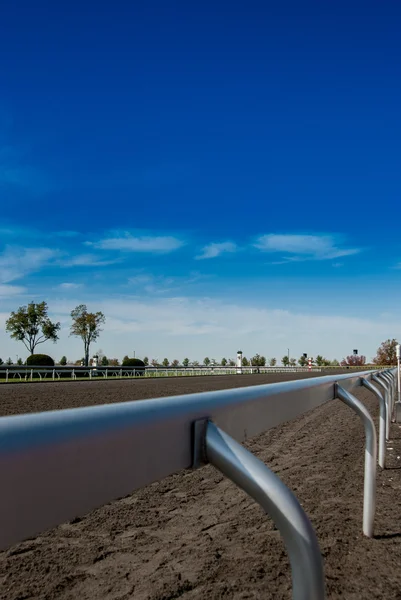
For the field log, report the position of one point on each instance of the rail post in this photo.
(386, 396)
(398, 403)
(369, 488)
(6, 375)
(382, 420)
(387, 378)
(213, 445)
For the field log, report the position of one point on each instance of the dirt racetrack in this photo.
(195, 535)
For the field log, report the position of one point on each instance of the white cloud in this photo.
(87, 260)
(16, 262)
(70, 286)
(129, 243)
(10, 290)
(199, 327)
(304, 247)
(215, 249)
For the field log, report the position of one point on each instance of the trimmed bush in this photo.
(40, 360)
(133, 362)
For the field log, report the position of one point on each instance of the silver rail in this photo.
(382, 420)
(386, 389)
(256, 479)
(75, 460)
(369, 490)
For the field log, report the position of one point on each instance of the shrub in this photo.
(42, 360)
(133, 362)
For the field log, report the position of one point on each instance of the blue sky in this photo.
(210, 175)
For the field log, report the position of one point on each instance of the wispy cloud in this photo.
(70, 286)
(216, 249)
(17, 262)
(304, 247)
(130, 243)
(7, 291)
(87, 260)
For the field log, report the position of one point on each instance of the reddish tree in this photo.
(386, 353)
(353, 361)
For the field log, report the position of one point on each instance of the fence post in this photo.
(382, 420)
(386, 392)
(387, 376)
(6, 375)
(31, 374)
(369, 488)
(260, 483)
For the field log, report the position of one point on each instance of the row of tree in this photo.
(32, 326)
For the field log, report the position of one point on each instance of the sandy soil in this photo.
(195, 535)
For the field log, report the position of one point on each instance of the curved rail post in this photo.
(394, 389)
(384, 385)
(387, 378)
(369, 488)
(382, 420)
(256, 479)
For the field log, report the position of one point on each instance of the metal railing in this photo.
(75, 460)
(59, 372)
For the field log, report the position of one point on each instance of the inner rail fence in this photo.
(58, 373)
(75, 460)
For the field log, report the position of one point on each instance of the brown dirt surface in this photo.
(196, 535)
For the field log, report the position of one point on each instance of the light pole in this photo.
(288, 350)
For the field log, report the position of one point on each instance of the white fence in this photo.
(75, 460)
(24, 373)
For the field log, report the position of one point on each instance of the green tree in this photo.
(273, 362)
(9, 362)
(146, 361)
(293, 362)
(86, 325)
(206, 361)
(303, 361)
(245, 362)
(63, 361)
(320, 360)
(258, 361)
(114, 362)
(386, 353)
(285, 361)
(20, 362)
(335, 363)
(223, 362)
(195, 363)
(105, 361)
(1, 361)
(165, 362)
(31, 325)
(232, 362)
(185, 362)
(126, 357)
